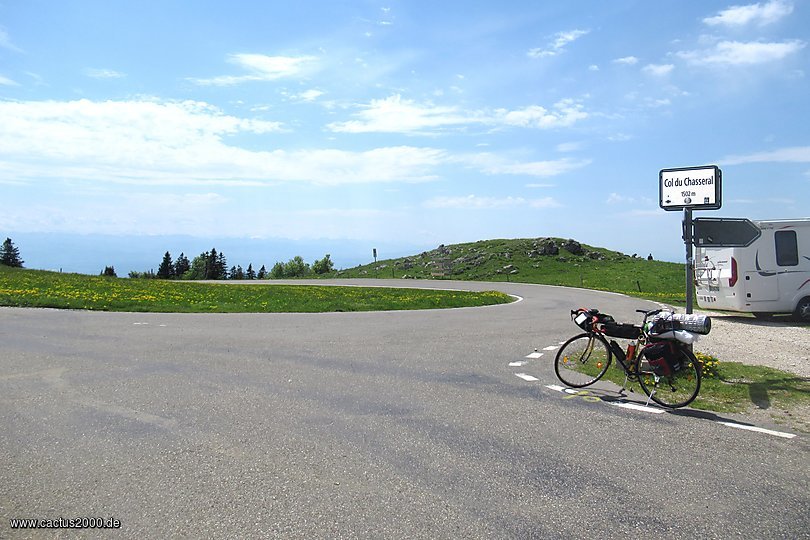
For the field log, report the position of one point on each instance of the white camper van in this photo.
(771, 274)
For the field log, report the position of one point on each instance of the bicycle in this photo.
(658, 356)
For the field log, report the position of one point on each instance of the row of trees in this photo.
(214, 265)
(207, 265)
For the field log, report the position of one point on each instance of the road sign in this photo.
(696, 188)
(725, 232)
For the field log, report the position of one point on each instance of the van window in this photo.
(787, 248)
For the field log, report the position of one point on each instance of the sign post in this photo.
(375, 261)
(690, 257)
(687, 189)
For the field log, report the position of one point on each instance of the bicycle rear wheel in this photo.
(582, 360)
(676, 390)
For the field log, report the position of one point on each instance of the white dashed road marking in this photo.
(637, 407)
(627, 405)
(759, 430)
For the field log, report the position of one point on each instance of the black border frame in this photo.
(718, 189)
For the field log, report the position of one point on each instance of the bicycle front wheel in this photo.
(676, 390)
(582, 360)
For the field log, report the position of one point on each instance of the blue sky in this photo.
(403, 124)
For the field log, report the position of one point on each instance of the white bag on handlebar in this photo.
(679, 335)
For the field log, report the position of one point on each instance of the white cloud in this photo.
(568, 147)
(760, 14)
(103, 73)
(540, 186)
(309, 95)
(736, 53)
(626, 60)
(796, 154)
(5, 81)
(493, 164)
(557, 44)
(566, 112)
(475, 202)
(655, 103)
(178, 143)
(397, 115)
(5, 42)
(261, 68)
(615, 198)
(658, 70)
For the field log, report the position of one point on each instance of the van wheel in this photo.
(763, 315)
(802, 312)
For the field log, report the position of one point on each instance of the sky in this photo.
(400, 125)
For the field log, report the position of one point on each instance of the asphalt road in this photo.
(363, 425)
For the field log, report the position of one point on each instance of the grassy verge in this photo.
(732, 387)
(36, 288)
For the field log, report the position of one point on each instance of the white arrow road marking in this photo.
(535, 354)
(526, 377)
(551, 348)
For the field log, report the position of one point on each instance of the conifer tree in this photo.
(221, 267)
(262, 273)
(166, 268)
(181, 266)
(216, 265)
(250, 273)
(10, 255)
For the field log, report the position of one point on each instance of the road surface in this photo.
(364, 425)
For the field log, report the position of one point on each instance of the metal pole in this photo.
(690, 261)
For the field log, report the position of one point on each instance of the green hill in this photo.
(550, 261)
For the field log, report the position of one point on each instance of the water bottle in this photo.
(631, 350)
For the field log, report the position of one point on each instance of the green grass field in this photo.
(36, 288)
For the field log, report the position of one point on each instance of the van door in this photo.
(762, 283)
(787, 259)
(761, 286)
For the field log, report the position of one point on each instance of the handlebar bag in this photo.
(622, 330)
